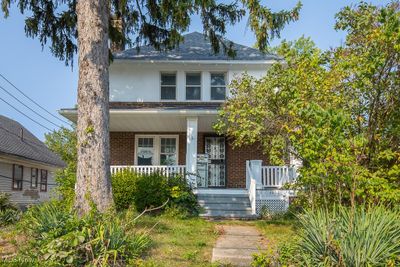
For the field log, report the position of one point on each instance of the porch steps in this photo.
(232, 205)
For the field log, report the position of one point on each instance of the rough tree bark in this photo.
(93, 184)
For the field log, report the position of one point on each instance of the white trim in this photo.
(184, 112)
(157, 146)
(212, 62)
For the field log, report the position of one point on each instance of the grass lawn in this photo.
(178, 242)
(175, 241)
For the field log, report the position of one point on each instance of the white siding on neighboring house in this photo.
(132, 81)
(27, 195)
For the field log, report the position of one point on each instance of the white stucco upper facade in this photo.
(135, 81)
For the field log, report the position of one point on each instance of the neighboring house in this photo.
(162, 109)
(27, 166)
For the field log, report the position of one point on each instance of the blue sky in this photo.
(52, 84)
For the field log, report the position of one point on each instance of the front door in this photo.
(215, 148)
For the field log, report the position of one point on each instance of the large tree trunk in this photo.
(93, 184)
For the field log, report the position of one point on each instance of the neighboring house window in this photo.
(168, 86)
(43, 180)
(218, 86)
(18, 174)
(157, 150)
(34, 177)
(193, 86)
(168, 151)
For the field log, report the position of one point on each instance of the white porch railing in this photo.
(165, 170)
(277, 176)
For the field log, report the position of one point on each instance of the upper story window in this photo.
(168, 86)
(218, 86)
(193, 86)
(18, 174)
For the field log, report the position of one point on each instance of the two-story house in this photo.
(162, 109)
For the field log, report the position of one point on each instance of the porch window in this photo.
(145, 151)
(193, 86)
(18, 174)
(157, 150)
(168, 151)
(218, 86)
(43, 180)
(34, 178)
(168, 86)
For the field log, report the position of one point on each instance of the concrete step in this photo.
(227, 213)
(224, 201)
(226, 206)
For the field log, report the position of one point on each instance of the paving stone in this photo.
(237, 244)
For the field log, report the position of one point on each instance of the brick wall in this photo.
(236, 163)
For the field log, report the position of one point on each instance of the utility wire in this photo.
(1, 75)
(25, 115)
(10, 178)
(5, 90)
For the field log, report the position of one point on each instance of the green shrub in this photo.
(124, 188)
(342, 237)
(153, 190)
(9, 212)
(94, 240)
(182, 196)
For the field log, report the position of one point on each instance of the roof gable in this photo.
(194, 47)
(16, 140)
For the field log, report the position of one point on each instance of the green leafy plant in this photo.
(347, 237)
(153, 190)
(9, 212)
(124, 188)
(60, 238)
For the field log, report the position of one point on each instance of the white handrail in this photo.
(163, 169)
(277, 176)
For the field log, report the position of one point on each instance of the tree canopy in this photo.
(156, 23)
(338, 111)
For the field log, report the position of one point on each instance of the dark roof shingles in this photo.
(194, 47)
(27, 147)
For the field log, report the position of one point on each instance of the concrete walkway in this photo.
(237, 244)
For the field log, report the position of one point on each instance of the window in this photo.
(218, 87)
(168, 151)
(43, 180)
(18, 174)
(157, 150)
(145, 151)
(34, 177)
(168, 86)
(193, 86)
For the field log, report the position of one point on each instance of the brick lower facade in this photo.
(122, 152)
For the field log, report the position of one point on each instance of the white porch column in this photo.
(191, 149)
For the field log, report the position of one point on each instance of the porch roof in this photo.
(159, 119)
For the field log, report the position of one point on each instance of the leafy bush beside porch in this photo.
(143, 191)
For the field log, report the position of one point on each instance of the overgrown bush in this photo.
(341, 237)
(60, 238)
(153, 190)
(124, 188)
(9, 212)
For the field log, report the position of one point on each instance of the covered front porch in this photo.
(182, 141)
